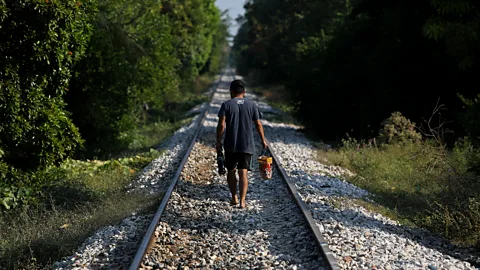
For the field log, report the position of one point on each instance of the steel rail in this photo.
(322, 244)
(149, 236)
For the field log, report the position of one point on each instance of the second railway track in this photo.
(198, 228)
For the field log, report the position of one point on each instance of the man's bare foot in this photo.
(243, 204)
(234, 200)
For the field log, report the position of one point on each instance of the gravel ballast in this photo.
(201, 230)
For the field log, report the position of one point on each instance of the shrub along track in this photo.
(197, 227)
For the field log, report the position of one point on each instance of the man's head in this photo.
(237, 89)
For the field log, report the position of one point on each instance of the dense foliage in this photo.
(363, 59)
(141, 54)
(350, 64)
(84, 72)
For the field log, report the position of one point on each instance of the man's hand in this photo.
(265, 145)
(220, 131)
(259, 127)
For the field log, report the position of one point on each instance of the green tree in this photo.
(40, 41)
(219, 46)
(130, 61)
(368, 58)
(194, 24)
(457, 24)
(141, 54)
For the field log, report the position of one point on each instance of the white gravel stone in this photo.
(156, 176)
(111, 247)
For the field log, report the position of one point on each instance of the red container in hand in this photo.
(265, 164)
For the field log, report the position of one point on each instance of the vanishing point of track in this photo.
(149, 237)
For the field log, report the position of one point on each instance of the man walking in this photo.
(236, 118)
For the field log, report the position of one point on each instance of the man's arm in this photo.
(259, 127)
(220, 130)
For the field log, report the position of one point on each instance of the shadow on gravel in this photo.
(288, 245)
(282, 129)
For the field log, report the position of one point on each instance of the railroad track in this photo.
(196, 227)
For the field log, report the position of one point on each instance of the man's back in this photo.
(240, 114)
(236, 119)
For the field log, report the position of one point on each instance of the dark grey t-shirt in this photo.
(240, 114)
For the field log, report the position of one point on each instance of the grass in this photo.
(151, 134)
(85, 195)
(34, 238)
(385, 211)
(82, 197)
(418, 184)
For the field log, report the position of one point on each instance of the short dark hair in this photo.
(237, 86)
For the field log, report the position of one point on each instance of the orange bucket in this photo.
(265, 166)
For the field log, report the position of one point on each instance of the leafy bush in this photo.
(40, 42)
(470, 120)
(422, 182)
(13, 195)
(398, 129)
(460, 221)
